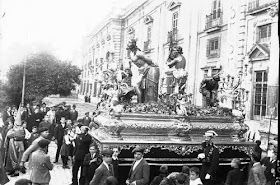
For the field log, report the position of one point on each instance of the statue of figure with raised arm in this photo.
(146, 81)
(177, 62)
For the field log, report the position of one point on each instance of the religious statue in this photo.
(209, 88)
(146, 83)
(177, 60)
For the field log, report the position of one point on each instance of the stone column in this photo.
(273, 73)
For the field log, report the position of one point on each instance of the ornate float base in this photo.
(171, 140)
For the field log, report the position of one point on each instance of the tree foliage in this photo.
(45, 75)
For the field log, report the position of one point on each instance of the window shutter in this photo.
(257, 34)
(269, 31)
(208, 48)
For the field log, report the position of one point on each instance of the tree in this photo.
(45, 75)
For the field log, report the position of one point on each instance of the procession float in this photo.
(168, 125)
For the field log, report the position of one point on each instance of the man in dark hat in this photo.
(86, 119)
(58, 135)
(105, 169)
(73, 113)
(40, 174)
(209, 158)
(44, 133)
(139, 173)
(208, 89)
(83, 141)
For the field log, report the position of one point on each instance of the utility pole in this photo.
(23, 81)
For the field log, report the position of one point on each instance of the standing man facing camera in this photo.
(139, 173)
(104, 170)
(210, 159)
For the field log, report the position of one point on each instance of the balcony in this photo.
(256, 6)
(213, 22)
(147, 46)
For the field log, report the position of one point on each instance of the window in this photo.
(260, 95)
(174, 21)
(216, 9)
(213, 47)
(147, 43)
(264, 33)
(149, 33)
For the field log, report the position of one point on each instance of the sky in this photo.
(56, 26)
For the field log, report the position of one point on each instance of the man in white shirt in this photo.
(139, 173)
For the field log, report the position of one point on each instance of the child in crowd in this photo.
(34, 135)
(235, 176)
(72, 136)
(163, 172)
(194, 176)
(65, 148)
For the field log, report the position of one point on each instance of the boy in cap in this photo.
(235, 176)
(140, 170)
(41, 164)
(105, 169)
(209, 158)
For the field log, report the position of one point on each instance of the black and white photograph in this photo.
(139, 92)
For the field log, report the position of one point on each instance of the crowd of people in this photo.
(27, 132)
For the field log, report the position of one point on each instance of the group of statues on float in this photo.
(120, 86)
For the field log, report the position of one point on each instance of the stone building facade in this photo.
(233, 38)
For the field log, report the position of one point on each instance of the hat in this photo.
(23, 181)
(216, 77)
(138, 149)
(107, 152)
(86, 113)
(85, 127)
(210, 133)
(42, 129)
(111, 180)
(43, 143)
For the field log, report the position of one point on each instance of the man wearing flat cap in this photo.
(44, 133)
(41, 164)
(104, 170)
(139, 173)
(209, 158)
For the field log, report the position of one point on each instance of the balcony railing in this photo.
(259, 5)
(213, 20)
(147, 45)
